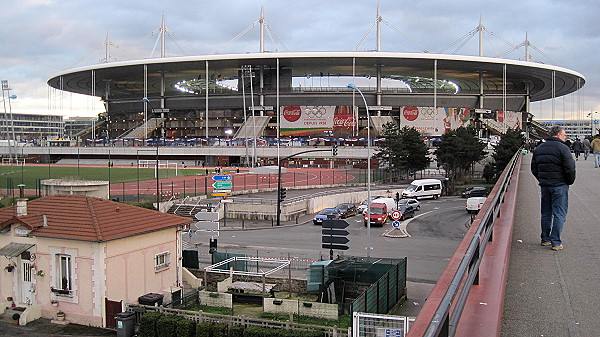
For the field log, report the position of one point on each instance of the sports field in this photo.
(29, 175)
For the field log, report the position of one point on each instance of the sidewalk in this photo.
(43, 328)
(552, 293)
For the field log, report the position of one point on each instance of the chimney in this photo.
(22, 201)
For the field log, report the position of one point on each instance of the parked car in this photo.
(327, 214)
(474, 204)
(416, 204)
(347, 210)
(407, 211)
(476, 191)
(378, 214)
(362, 208)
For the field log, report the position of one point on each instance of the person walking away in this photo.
(577, 148)
(595, 148)
(553, 166)
(586, 147)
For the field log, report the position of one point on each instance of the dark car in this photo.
(407, 211)
(347, 210)
(476, 191)
(327, 214)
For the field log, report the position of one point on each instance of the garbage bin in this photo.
(125, 324)
(151, 299)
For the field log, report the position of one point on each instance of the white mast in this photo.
(378, 20)
(480, 29)
(261, 21)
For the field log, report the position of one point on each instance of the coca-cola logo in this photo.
(292, 113)
(344, 122)
(500, 116)
(410, 113)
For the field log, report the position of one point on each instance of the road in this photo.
(435, 232)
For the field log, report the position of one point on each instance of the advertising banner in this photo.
(434, 121)
(299, 120)
(512, 119)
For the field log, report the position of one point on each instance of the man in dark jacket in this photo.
(554, 168)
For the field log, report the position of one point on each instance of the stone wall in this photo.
(298, 285)
(312, 309)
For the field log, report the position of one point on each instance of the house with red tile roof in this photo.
(86, 256)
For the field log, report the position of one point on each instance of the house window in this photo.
(64, 279)
(162, 260)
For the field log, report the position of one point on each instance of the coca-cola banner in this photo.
(434, 121)
(299, 120)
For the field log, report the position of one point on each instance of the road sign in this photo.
(207, 225)
(396, 215)
(333, 246)
(222, 177)
(222, 184)
(221, 193)
(207, 216)
(341, 224)
(334, 239)
(338, 232)
(396, 224)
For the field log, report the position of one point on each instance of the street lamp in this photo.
(145, 99)
(591, 115)
(354, 87)
(9, 97)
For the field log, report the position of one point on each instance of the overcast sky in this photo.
(43, 37)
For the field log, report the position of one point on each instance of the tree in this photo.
(403, 149)
(510, 142)
(457, 151)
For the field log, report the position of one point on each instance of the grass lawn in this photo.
(29, 175)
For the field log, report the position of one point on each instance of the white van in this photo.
(423, 188)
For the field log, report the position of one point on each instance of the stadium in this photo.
(303, 98)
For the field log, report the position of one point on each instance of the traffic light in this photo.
(212, 245)
(335, 150)
(397, 196)
(282, 193)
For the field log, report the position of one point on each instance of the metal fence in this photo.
(384, 294)
(377, 325)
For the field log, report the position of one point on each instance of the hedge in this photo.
(148, 324)
(166, 326)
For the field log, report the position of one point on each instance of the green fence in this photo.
(384, 294)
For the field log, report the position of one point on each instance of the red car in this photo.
(379, 214)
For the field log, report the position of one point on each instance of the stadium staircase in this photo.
(87, 133)
(538, 130)
(140, 130)
(496, 128)
(379, 121)
(188, 207)
(246, 130)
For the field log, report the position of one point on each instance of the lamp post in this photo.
(354, 87)
(4, 99)
(591, 115)
(145, 99)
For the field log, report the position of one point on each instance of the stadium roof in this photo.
(126, 79)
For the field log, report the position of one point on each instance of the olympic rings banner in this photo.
(434, 121)
(299, 120)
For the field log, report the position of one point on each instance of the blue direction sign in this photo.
(222, 177)
(396, 224)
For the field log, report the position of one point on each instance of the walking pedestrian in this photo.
(586, 147)
(554, 168)
(595, 147)
(577, 148)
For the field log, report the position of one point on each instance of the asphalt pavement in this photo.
(555, 293)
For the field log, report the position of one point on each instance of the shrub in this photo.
(148, 324)
(204, 329)
(166, 326)
(220, 330)
(257, 331)
(236, 331)
(185, 328)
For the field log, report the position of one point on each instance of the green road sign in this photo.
(222, 184)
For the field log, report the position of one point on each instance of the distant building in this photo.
(74, 125)
(30, 126)
(576, 128)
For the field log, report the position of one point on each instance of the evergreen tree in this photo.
(509, 144)
(457, 151)
(403, 149)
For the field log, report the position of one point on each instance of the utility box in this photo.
(151, 299)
